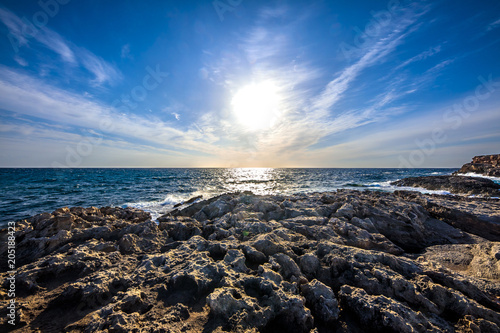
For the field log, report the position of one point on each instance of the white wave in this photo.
(380, 184)
(420, 189)
(480, 196)
(471, 174)
(159, 207)
(386, 186)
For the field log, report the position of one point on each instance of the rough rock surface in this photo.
(454, 184)
(488, 165)
(344, 261)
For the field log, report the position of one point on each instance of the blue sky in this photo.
(239, 83)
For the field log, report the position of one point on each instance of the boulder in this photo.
(488, 165)
(455, 184)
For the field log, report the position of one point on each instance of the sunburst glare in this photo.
(257, 105)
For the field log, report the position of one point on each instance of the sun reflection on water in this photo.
(257, 180)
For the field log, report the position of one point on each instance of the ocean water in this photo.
(26, 192)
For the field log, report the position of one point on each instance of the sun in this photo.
(257, 105)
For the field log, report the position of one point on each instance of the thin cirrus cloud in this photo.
(327, 99)
(371, 54)
(493, 25)
(421, 56)
(102, 70)
(383, 146)
(26, 95)
(21, 35)
(311, 115)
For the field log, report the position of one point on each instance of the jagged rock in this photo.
(287, 267)
(309, 264)
(322, 301)
(236, 259)
(346, 210)
(454, 184)
(268, 273)
(402, 262)
(128, 243)
(253, 255)
(385, 314)
(488, 165)
(241, 310)
(477, 260)
(180, 229)
(190, 201)
(270, 244)
(474, 215)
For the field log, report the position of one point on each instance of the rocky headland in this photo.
(345, 261)
(488, 165)
(455, 184)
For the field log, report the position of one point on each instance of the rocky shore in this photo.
(457, 183)
(454, 184)
(488, 165)
(345, 261)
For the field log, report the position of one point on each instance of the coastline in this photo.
(27, 192)
(341, 261)
(331, 261)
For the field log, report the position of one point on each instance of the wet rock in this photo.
(190, 201)
(454, 184)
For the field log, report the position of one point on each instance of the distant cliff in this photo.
(488, 165)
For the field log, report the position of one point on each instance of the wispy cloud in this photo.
(309, 115)
(53, 41)
(493, 25)
(262, 44)
(421, 56)
(26, 95)
(383, 148)
(322, 112)
(15, 26)
(20, 61)
(371, 54)
(103, 71)
(21, 32)
(439, 66)
(125, 52)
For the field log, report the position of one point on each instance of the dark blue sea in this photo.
(26, 192)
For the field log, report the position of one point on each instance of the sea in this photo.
(25, 192)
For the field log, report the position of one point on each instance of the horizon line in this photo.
(155, 167)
